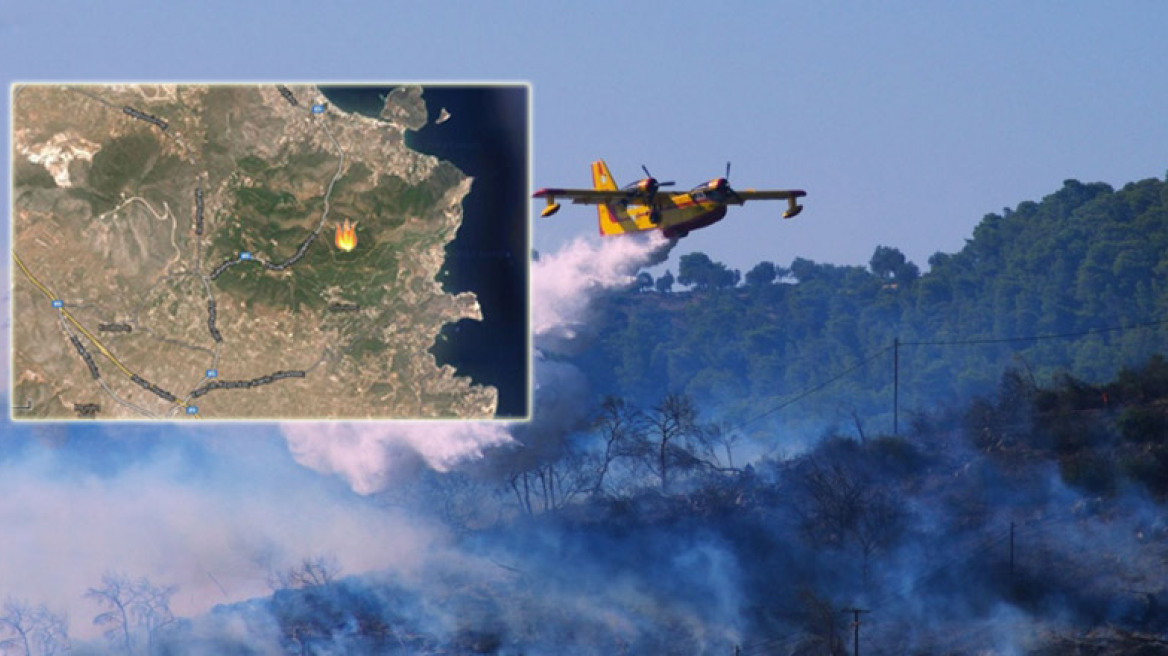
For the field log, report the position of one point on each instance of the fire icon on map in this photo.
(347, 236)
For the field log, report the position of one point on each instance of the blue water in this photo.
(486, 138)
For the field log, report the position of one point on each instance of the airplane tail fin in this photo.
(610, 215)
(601, 178)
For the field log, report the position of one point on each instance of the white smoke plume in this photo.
(209, 512)
(565, 282)
(369, 455)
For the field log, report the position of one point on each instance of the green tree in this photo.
(763, 273)
(698, 270)
(907, 274)
(889, 263)
(665, 282)
(804, 269)
(885, 261)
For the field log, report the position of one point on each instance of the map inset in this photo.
(231, 252)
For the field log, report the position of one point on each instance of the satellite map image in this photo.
(236, 252)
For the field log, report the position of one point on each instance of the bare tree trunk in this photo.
(663, 464)
(552, 485)
(24, 641)
(859, 425)
(125, 628)
(527, 494)
(522, 497)
(518, 494)
(599, 485)
(543, 487)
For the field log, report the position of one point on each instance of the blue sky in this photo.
(905, 122)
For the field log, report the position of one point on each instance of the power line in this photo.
(956, 342)
(896, 344)
(772, 644)
(811, 390)
(1036, 338)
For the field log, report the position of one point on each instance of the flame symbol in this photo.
(347, 236)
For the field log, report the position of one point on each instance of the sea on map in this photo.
(231, 252)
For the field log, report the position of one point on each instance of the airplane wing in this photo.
(584, 196)
(775, 194)
(736, 197)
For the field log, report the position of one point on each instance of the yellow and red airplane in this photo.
(641, 206)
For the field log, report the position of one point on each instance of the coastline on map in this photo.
(489, 143)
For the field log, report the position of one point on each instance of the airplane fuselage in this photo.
(677, 215)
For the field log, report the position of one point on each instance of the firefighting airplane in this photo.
(640, 206)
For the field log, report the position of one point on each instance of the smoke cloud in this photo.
(214, 512)
(211, 512)
(564, 284)
(369, 456)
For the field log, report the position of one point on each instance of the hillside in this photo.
(1028, 522)
(1040, 286)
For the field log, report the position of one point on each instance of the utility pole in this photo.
(1011, 552)
(896, 385)
(856, 627)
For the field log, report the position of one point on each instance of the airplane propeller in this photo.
(654, 180)
(650, 185)
(724, 185)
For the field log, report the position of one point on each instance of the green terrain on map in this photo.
(191, 236)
